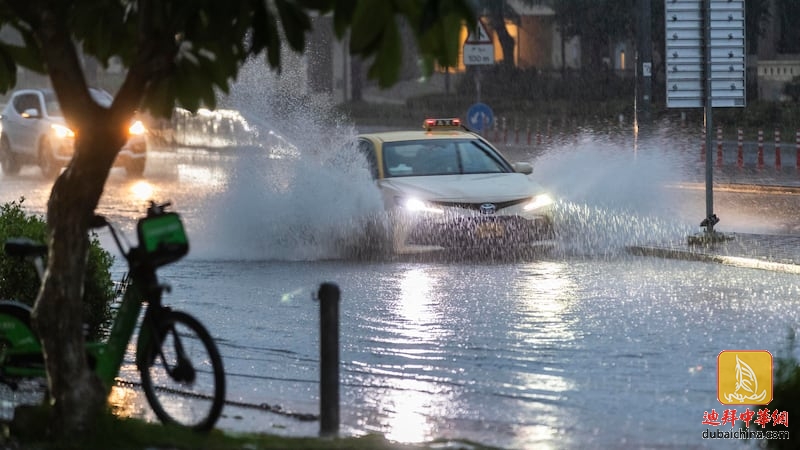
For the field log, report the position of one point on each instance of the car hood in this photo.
(483, 187)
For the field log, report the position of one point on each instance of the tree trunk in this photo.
(497, 22)
(78, 396)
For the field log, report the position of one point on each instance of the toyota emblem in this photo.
(488, 208)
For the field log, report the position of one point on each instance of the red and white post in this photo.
(719, 146)
(529, 133)
(777, 148)
(739, 148)
(797, 144)
(760, 163)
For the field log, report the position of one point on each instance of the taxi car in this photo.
(445, 187)
(34, 132)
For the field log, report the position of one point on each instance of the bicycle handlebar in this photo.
(156, 209)
(98, 221)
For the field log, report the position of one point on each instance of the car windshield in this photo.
(440, 157)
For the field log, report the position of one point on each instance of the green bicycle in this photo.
(181, 369)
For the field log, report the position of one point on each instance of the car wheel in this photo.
(135, 167)
(47, 163)
(8, 161)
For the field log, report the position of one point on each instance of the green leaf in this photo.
(343, 11)
(159, 97)
(272, 40)
(28, 55)
(370, 19)
(8, 70)
(261, 20)
(388, 59)
(296, 23)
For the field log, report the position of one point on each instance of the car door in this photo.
(23, 127)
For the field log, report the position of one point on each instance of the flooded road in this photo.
(586, 347)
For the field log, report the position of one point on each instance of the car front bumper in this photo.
(415, 234)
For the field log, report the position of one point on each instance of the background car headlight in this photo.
(417, 205)
(61, 131)
(137, 128)
(539, 201)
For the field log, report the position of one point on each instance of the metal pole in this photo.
(644, 63)
(708, 118)
(329, 359)
(477, 84)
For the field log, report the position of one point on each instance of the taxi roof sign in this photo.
(430, 124)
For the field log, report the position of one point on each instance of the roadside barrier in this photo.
(500, 133)
(742, 150)
(797, 150)
(748, 153)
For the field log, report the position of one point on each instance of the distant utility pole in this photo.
(644, 63)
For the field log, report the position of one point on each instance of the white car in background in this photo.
(445, 188)
(34, 132)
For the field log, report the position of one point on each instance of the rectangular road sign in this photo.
(478, 48)
(478, 54)
(685, 53)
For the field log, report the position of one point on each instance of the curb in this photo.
(691, 255)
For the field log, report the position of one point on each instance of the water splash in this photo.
(309, 200)
(304, 200)
(612, 192)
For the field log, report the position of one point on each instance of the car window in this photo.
(439, 157)
(475, 159)
(25, 102)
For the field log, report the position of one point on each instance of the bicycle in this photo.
(172, 346)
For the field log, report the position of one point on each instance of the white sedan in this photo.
(445, 187)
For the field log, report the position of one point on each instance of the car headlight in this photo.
(61, 132)
(137, 128)
(417, 205)
(537, 202)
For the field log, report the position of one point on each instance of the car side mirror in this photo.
(523, 167)
(31, 113)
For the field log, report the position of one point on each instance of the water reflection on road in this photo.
(588, 347)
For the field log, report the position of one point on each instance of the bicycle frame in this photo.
(109, 355)
(144, 287)
(24, 359)
(161, 355)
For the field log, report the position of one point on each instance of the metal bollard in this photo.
(329, 359)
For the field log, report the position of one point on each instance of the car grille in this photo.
(477, 206)
(480, 231)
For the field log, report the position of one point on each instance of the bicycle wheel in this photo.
(182, 374)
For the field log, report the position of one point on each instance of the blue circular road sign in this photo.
(479, 117)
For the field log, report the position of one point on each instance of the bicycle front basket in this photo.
(162, 238)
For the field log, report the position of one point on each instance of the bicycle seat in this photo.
(24, 247)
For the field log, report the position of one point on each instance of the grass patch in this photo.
(27, 431)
